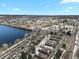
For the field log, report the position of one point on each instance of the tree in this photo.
(77, 53)
(23, 55)
(29, 56)
(63, 46)
(69, 33)
(33, 49)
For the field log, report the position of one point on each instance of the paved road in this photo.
(70, 41)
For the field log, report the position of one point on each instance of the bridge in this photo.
(14, 52)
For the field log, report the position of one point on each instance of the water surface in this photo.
(10, 34)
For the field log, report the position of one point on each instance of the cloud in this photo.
(34, 13)
(3, 5)
(69, 1)
(16, 9)
(68, 9)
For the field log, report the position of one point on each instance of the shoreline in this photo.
(16, 27)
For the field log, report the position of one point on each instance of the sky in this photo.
(40, 7)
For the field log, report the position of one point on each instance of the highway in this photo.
(69, 41)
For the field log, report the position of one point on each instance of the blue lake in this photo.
(10, 34)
